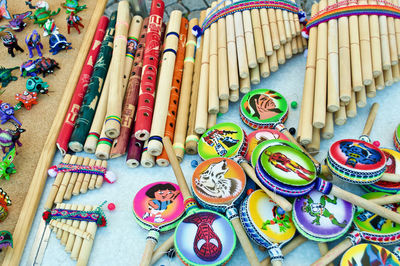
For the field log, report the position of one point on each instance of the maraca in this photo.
(228, 140)
(396, 138)
(267, 224)
(219, 184)
(157, 207)
(202, 236)
(369, 254)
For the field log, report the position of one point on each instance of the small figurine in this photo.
(36, 84)
(3, 10)
(57, 43)
(46, 65)
(6, 77)
(17, 24)
(34, 43)
(6, 239)
(72, 6)
(6, 169)
(11, 42)
(4, 202)
(50, 28)
(74, 21)
(7, 113)
(42, 13)
(28, 69)
(27, 99)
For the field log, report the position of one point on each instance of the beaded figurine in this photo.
(17, 24)
(33, 42)
(57, 43)
(9, 137)
(4, 202)
(42, 13)
(7, 113)
(50, 28)
(74, 21)
(7, 168)
(6, 76)
(11, 42)
(3, 10)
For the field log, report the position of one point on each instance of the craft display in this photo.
(396, 138)
(369, 253)
(11, 43)
(157, 207)
(16, 23)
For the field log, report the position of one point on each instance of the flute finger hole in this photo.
(150, 68)
(150, 78)
(147, 101)
(171, 124)
(146, 114)
(148, 89)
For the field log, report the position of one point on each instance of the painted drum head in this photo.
(159, 205)
(258, 136)
(393, 167)
(265, 144)
(396, 138)
(223, 140)
(218, 182)
(374, 228)
(356, 161)
(322, 217)
(369, 254)
(264, 221)
(263, 108)
(204, 237)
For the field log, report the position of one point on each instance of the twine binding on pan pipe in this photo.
(83, 169)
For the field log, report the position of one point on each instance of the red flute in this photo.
(80, 90)
(134, 152)
(149, 73)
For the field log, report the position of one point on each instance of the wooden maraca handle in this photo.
(289, 247)
(387, 199)
(323, 249)
(162, 249)
(276, 263)
(333, 253)
(278, 199)
(390, 177)
(245, 242)
(148, 252)
(371, 119)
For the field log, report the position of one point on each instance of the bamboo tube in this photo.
(394, 59)
(64, 227)
(87, 245)
(361, 98)
(104, 145)
(65, 181)
(385, 49)
(234, 96)
(351, 108)
(304, 41)
(344, 60)
(376, 52)
(212, 120)
(323, 249)
(327, 132)
(79, 180)
(266, 31)
(213, 75)
(397, 30)
(333, 102)
(365, 47)
(71, 237)
(93, 178)
(286, 23)
(396, 73)
(264, 68)
(147, 159)
(72, 181)
(223, 80)
(76, 247)
(245, 85)
(65, 234)
(202, 99)
(297, 22)
(57, 182)
(313, 147)
(280, 54)
(249, 38)
(59, 230)
(356, 73)
(223, 107)
(380, 82)
(294, 46)
(258, 37)
(320, 73)
(292, 245)
(288, 50)
(86, 179)
(291, 24)
(274, 28)
(371, 89)
(116, 92)
(100, 178)
(273, 62)
(340, 116)
(281, 26)
(240, 43)
(388, 77)
(231, 50)
(300, 43)
(255, 75)
(387, 199)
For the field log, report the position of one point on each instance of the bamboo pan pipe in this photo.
(100, 178)
(394, 60)
(186, 88)
(240, 44)
(65, 234)
(286, 23)
(294, 46)
(274, 28)
(258, 35)
(223, 106)
(223, 79)
(288, 50)
(59, 231)
(114, 105)
(249, 38)
(388, 77)
(397, 29)
(245, 85)
(87, 245)
(86, 179)
(327, 132)
(376, 52)
(351, 108)
(356, 73)
(267, 35)
(296, 22)
(396, 73)
(383, 31)
(365, 47)
(212, 120)
(344, 60)
(71, 237)
(300, 43)
(321, 73)
(76, 247)
(79, 180)
(213, 74)
(306, 113)
(64, 183)
(361, 98)
(233, 74)
(93, 178)
(281, 26)
(333, 99)
(74, 178)
(291, 24)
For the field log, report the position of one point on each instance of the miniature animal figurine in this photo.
(46, 66)
(57, 43)
(4, 203)
(11, 42)
(72, 6)
(74, 21)
(10, 137)
(42, 13)
(17, 23)
(29, 69)
(26, 99)
(50, 28)
(33, 42)
(36, 84)
(6, 169)
(7, 113)
(3, 10)
(6, 77)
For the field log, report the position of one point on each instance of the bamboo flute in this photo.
(103, 147)
(276, 44)
(213, 73)
(333, 99)
(147, 160)
(234, 96)
(321, 73)
(307, 103)
(240, 43)
(327, 132)
(356, 73)
(351, 107)
(79, 180)
(72, 181)
(385, 49)
(134, 152)
(233, 74)
(344, 60)
(223, 79)
(267, 35)
(376, 52)
(183, 108)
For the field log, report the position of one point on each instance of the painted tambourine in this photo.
(393, 167)
(321, 217)
(396, 138)
(258, 136)
(263, 145)
(263, 108)
(369, 254)
(356, 161)
(266, 223)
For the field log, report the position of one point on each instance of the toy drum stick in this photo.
(65, 234)
(264, 68)
(79, 180)
(86, 179)
(72, 181)
(245, 85)
(344, 60)
(321, 73)
(213, 75)
(255, 75)
(288, 50)
(340, 116)
(134, 152)
(286, 23)
(281, 26)
(333, 103)
(202, 99)
(388, 77)
(212, 119)
(76, 248)
(323, 249)
(233, 74)
(314, 146)
(87, 244)
(112, 121)
(183, 108)
(103, 147)
(64, 183)
(380, 82)
(240, 43)
(294, 46)
(71, 237)
(375, 43)
(223, 79)
(365, 47)
(334, 253)
(273, 62)
(356, 73)
(266, 31)
(385, 49)
(57, 182)
(249, 38)
(274, 28)
(371, 89)
(307, 103)
(327, 132)
(361, 98)
(234, 96)
(93, 178)
(280, 53)
(258, 35)
(396, 73)
(147, 159)
(351, 108)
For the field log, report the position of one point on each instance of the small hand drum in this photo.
(369, 254)
(265, 144)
